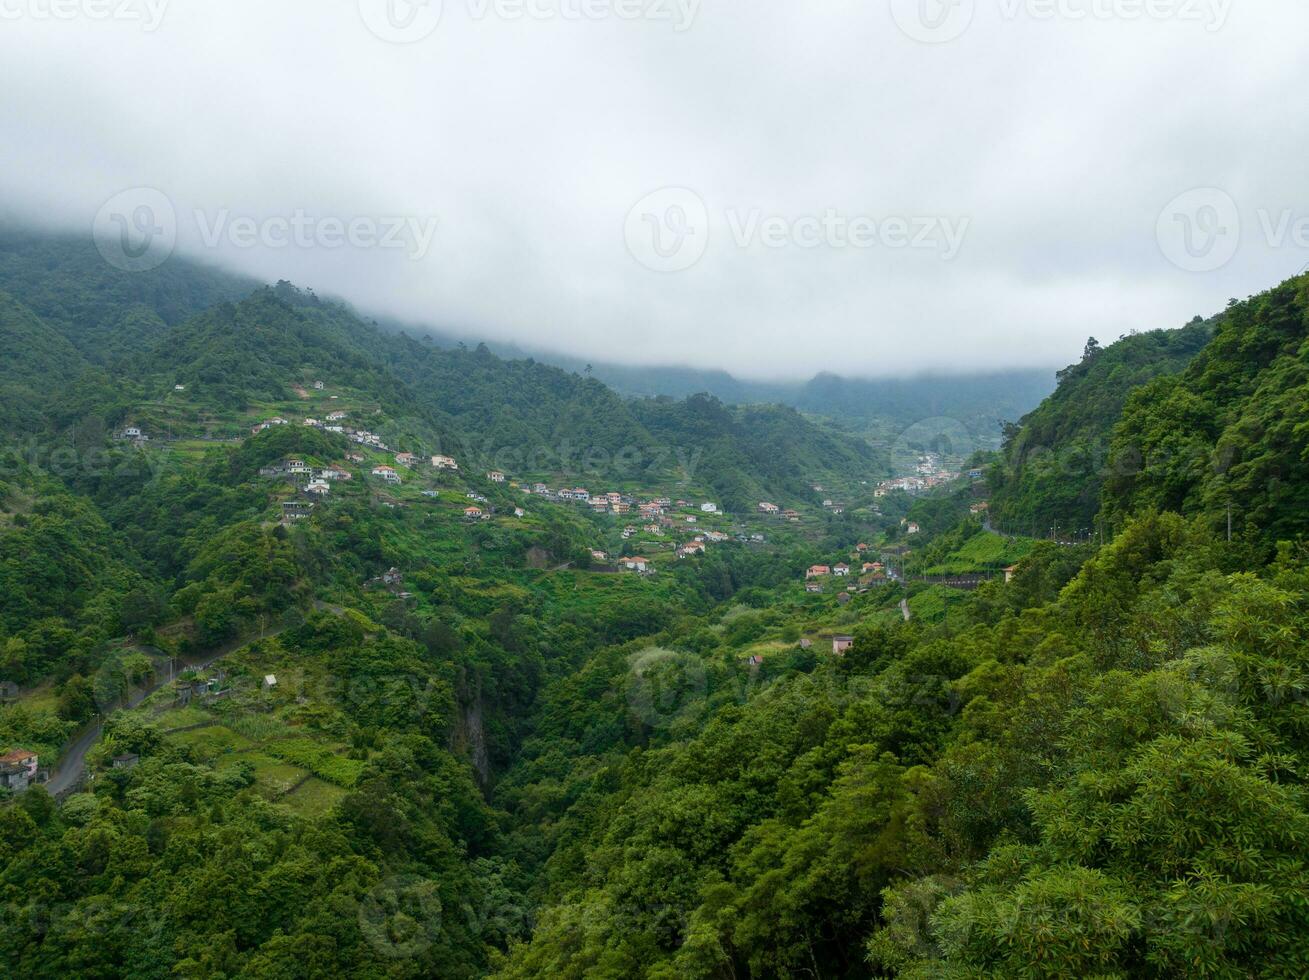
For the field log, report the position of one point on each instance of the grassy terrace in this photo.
(290, 740)
(984, 552)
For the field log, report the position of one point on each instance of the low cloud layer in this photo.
(869, 188)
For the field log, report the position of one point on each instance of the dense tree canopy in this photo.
(392, 740)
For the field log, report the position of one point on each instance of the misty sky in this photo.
(772, 188)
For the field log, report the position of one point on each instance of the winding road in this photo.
(72, 763)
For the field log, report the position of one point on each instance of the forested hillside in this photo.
(1054, 460)
(325, 708)
(1098, 783)
(882, 406)
(1091, 770)
(1229, 434)
(750, 453)
(102, 312)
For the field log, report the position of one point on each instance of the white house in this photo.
(386, 473)
(132, 432)
(319, 488)
(767, 508)
(256, 429)
(636, 564)
(709, 508)
(495, 476)
(444, 463)
(18, 769)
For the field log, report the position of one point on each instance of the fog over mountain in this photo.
(727, 185)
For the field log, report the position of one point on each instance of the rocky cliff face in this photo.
(469, 735)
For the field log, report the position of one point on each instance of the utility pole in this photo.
(1229, 522)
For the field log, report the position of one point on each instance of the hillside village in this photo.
(677, 527)
(641, 532)
(672, 528)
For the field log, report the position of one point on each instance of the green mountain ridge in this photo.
(252, 346)
(104, 313)
(1228, 436)
(884, 407)
(384, 737)
(1054, 460)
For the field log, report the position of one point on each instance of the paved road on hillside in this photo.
(73, 763)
